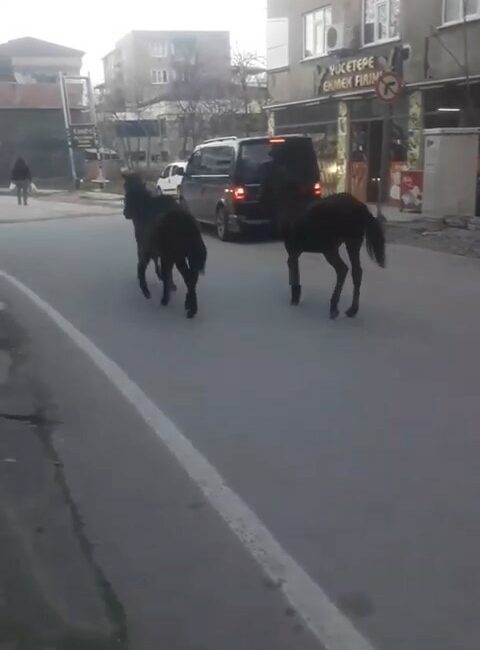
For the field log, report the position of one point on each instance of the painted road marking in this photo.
(325, 620)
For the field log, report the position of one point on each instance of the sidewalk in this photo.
(394, 215)
(46, 209)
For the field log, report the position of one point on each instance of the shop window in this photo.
(315, 28)
(453, 10)
(381, 20)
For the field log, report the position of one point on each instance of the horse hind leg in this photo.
(353, 249)
(294, 276)
(142, 276)
(341, 269)
(191, 279)
(166, 268)
(158, 271)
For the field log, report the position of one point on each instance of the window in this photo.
(298, 159)
(159, 49)
(160, 76)
(315, 28)
(453, 10)
(381, 20)
(216, 161)
(166, 171)
(195, 164)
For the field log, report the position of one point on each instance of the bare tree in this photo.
(249, 79)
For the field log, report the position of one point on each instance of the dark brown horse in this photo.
(322, 227)
(167, 232)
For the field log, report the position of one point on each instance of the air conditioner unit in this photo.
(336, 37)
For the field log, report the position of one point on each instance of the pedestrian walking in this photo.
(22, 179)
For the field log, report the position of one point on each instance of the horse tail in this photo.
(197, 257)
(375, 238)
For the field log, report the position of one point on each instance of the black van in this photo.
(223, 179)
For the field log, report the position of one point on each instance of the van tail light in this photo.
(317, 189)
(239, 193)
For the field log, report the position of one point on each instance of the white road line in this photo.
(328, 624)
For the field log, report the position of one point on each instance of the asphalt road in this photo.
(354, 442)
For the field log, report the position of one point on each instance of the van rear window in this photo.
(297, 156)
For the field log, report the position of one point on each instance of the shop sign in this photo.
(350, 75)
(83, 136)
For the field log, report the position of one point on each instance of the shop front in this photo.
(345, 120)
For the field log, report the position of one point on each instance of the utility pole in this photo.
(385, 157)
(67, 119)
(98, 143)
(468, 88)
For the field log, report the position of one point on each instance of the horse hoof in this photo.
(334, 313)
(191, 313)
(164, 302)
(296, 296)
(146, 295)
(352, 312)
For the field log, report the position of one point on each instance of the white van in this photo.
(169, 182)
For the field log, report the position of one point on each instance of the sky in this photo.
(95, 25)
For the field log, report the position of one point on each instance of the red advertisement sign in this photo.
(411, 191)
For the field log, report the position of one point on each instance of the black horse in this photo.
(165, 231)
(322, 227)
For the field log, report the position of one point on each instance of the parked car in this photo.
(223, 179)
(169, 182)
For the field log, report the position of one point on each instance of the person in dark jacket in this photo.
(22, 178)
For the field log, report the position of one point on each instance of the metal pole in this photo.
(98, 143)
(66, 116)
(469, 111)
(385, 159)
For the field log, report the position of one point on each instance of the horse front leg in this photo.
(294, 277)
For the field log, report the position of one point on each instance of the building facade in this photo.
(166, 91)
(154, 83)
(31, 60)
(324, 61)
(31, 114)
(146, 65)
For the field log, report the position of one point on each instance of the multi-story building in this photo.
(154, 81)
(146, 65)
(326, 56)
(169, 90)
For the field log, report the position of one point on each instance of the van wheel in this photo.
(221, 223)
